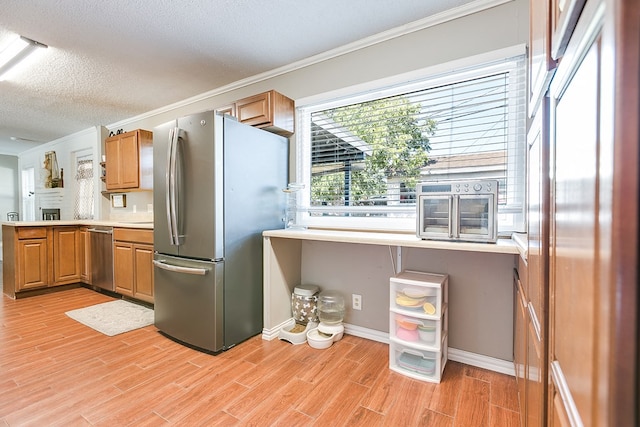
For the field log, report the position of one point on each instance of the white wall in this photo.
(87, 141)
(8, 189)
(493, 29)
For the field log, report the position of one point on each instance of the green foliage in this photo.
(399, 137)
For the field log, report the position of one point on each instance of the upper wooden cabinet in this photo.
(564, 16)
(541, 65)
(270, 111)
(129, 161)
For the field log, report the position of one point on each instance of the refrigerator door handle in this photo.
(178, 269)
(168, 185)
(172, 210)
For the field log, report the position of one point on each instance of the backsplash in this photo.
(139, 207)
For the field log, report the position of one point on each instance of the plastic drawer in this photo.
(420, 364)
(419, 293)
(425, 331)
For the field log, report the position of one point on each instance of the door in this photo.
(187, 186)
(32, 264)
(67, 257)
(123, 268)
(435, 214)
(476, 217)
(188, 301)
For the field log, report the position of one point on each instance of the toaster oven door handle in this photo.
(453, 216)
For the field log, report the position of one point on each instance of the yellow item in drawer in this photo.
(429, 308)
(405, 301)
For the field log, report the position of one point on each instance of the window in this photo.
(83, 207)
(361, 156)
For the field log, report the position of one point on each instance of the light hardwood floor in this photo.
(57, 372)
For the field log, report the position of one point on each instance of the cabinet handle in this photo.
(95, 230)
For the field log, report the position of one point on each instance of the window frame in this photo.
(511, 219)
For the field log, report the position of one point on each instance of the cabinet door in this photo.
(540, 62)
(123, 161)
(66, 253)
(129, 160)
(112, 165)
(143, 264)
(85, 256)
(123, 268)
(520, 343)
(536, 379)
(538, 210)
(32, 264)
(574, 300)
(254, 110)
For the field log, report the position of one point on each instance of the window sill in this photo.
(503, 246)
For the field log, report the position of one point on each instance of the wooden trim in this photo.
(622, 37)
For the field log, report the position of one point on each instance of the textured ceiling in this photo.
(111, 60)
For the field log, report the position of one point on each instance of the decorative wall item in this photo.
(53, 175)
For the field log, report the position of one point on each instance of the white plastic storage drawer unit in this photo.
(418, 324)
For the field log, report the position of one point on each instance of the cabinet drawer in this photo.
(133, 235)
(417, 363)
(32, 232)
(417, 293)
(418, 329)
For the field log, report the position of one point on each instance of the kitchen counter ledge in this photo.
(89, 223)
(503, 246)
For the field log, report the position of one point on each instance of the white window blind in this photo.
(366, 153)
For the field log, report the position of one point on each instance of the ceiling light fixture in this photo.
(17, 51)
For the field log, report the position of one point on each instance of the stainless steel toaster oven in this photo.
(458, 210)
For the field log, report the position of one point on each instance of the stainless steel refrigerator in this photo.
(217, 185)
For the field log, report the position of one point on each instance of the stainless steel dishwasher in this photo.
(102, 257)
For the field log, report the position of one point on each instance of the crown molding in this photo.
(421, 24)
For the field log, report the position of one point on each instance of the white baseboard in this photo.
(462, 356)
(481, 361)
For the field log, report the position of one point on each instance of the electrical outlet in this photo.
(356, 301)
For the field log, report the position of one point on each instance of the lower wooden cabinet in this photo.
(66, 255)
(85, 255)
(32, 264)
(43, 257)
(133, 263)
(520, 323)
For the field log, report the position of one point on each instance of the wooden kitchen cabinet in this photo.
(269, 110)
(520, 331)
(133, 263)
(42, 257)
(541, 64)
(66, 255)
(578, 337)
(85, 255)
(129, 161)
(32, 258)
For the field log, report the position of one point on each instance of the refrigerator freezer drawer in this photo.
(189, 301)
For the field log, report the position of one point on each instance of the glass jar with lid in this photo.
(331, 307)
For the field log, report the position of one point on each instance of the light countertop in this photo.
(107, 223)
(503, 246)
